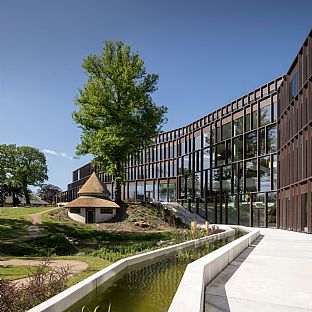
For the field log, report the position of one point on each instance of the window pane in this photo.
(228, 152)
(274, 111)
(172, 191)
(251, 144)
(247, 122)
(218, 131)
(221, 156)
(197, 142)
(254, 124)
(265, 115)
(262, 142)
(227, 131)
(258, 209)
(264, 173)
(238, 148)
(244, 206)
(206, 139)
(271, 202)
(189, 186)
(197, 184)
(232, 209)
(294, 86)
(272, 139)
(238, 126)
(206, 158)
(149, 191)
(226, 179)
(216, 176)
(185, 164)
(132, 196)
(140, 191)
(274, 171)
(211, 209)
(251, 176)
(163, 190)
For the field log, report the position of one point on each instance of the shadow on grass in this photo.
(13, 228)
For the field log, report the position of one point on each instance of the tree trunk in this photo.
(26, 194)
(15, 200)
(117, 187)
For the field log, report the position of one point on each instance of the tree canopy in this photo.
(47, 192)
(116, 113)
(20, 167)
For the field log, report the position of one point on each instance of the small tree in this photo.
(116, 112)
(47, 192)
(20, 167)
(31, 168)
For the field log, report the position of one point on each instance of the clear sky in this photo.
(207, 53)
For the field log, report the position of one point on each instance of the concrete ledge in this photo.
(190, 294)
(70, 296)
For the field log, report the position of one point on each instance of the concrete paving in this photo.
(273, 274)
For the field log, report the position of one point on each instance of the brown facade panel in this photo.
(295, 144)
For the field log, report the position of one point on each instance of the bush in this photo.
(42, 284)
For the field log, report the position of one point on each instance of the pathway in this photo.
(273, 274)
(34, 230)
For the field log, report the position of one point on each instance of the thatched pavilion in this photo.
(93, 204)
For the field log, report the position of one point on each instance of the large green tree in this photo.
(20, 167)
(116, 112)
(47, 192)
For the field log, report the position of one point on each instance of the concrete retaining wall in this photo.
(70, 296)
(198, 274)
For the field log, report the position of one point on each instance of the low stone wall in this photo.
(70, 296)
(198, 274)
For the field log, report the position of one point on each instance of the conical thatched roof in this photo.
(91, 202)
(94, 187)
(93, 194)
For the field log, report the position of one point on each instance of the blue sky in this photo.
(207, 53)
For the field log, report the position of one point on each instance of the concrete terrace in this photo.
(273, 274)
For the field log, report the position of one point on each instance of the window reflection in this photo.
(265, 115)
(226, 179)
(271, 202)
(254, 119)
(197, 142)
(251, 176)
(272, 139)
(238, 126)
(244, 207)
(172, 191)
(163, 192)
(238, 148)
(251, 144)
(221, 154)
(232, 209)
(206, 158)
(258, 209)
(264, 173)
(197, 184)
(262, 142)
(216, 176)
(227, 131)
(206, 141)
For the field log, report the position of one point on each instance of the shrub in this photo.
(41, 284)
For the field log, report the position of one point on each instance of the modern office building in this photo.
(249, 162)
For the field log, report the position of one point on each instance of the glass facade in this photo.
(222, 166)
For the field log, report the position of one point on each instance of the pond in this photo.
(150, 286)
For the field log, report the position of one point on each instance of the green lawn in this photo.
(14, 221)
(14, 272)
(95, 264)
(9, 212)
